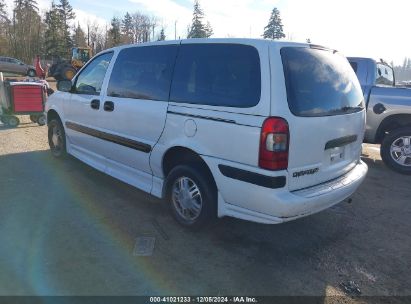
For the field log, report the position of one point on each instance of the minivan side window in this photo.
(385, 75)
(225, 75)
(143, 73)
(91, 78)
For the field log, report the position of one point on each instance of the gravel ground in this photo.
(66, 229)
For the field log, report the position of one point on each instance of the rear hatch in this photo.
(328, 117)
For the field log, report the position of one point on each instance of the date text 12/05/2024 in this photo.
(203, 300)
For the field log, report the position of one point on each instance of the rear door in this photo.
(135, 109)
(327, 115)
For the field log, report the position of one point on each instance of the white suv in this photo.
(254, 129)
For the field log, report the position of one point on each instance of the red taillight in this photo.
(274, 140)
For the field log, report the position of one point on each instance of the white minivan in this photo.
(259, 130)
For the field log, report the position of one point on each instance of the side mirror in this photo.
(64, 85)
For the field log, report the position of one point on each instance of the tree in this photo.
(114, 34)
(3, 13)
(274, 28)
(25, 29)
(53, 42)
(162, 36)
(79, 37)
(197, 28)
(4, 24)
(66, 16)
(127, 28)
(209, 30)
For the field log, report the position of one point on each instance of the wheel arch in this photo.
(52, 114)
(180, 155)
(391, 123)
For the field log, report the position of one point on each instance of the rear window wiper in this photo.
(351, 109)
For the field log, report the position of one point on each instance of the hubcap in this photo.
(400, 151)
(186, 197)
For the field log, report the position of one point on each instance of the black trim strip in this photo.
(203, 117)
(136, 145)
(273, 182)
(339, 142)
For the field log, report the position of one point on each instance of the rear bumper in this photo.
(272, 206)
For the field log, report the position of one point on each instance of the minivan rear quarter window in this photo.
(218, 75)
(320, 82)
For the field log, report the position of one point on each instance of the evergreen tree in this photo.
(127, 28)
(114, 34)
(197, 28)
(66, 15)
(274, 28)
(79, 37)
(209, 30)
(54, 44)
(162, 36)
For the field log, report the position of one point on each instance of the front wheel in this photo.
(191, 195)
(12, 121)
(396, 150)
(33, 118)
(57, 138)
(68, 73)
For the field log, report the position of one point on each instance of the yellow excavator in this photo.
(66, 69)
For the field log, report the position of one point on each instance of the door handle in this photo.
(95, 104)
(109, 106)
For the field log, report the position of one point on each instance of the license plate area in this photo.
(336, 155)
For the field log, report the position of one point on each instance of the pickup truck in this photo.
(388, 112)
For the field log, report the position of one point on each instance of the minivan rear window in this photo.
(226, 75)
(320, 82)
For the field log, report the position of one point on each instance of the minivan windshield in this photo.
(320, 82)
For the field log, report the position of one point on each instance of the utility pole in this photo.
(175, 30)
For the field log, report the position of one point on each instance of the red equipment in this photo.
(39, 69)
(23, 98)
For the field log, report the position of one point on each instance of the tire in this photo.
(3, 119)
(57, 138)
(41, 120)
(12, 121)
(193, 210)
(396, 150)
(31, 73)
(68, 73)
(33, 118)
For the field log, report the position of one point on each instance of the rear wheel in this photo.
(31, 73)
(41, 120)
(396, 150)
(192, 197)
(57, 138)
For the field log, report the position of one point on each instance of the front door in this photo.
(83, 113)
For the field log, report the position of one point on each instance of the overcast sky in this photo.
(378, 29)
